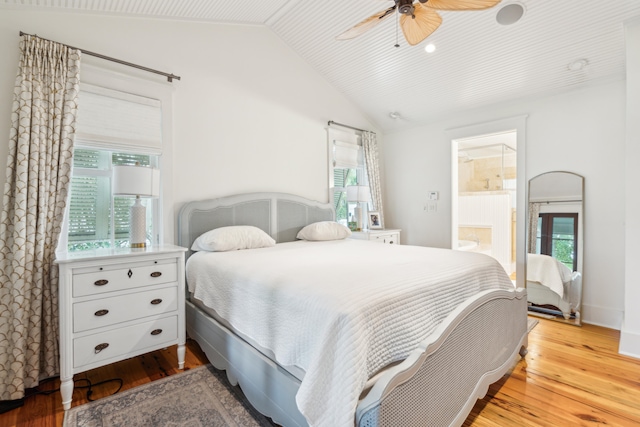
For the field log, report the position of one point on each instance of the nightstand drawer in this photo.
(109, 279)
(385, 238)
(119, 342)
(388, 236)
(109, 311)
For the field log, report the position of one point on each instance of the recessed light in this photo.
(510, 14)
(394, 115)
(578, 64)
(430, 48)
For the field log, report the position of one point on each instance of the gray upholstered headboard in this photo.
(280, 215)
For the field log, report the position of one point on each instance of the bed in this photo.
(434, 381)
(551, 283)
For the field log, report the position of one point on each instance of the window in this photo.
(95, 218)
(557, 237)
(114, 127)
(346, 167)
(343, 178)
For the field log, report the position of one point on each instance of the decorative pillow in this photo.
(324, 230)
(232, 238)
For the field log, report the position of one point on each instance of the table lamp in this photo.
(138, 181)
(359, 194)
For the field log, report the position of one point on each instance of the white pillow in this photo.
(324, 230)
(232, 238)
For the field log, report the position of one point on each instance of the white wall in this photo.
(581, 131)
(630, 334)
(249, 114)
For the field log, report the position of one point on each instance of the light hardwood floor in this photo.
(571, 376)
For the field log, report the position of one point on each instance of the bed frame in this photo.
(437, 385)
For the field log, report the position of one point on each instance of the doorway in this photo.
(488, 212)
(487, 196)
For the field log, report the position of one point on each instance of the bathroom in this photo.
(487, 196)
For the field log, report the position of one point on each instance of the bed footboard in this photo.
(439, 383)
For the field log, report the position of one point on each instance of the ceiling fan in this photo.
(418, 20)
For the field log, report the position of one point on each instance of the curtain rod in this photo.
(331, 122)
(169, 77)
(547, 202)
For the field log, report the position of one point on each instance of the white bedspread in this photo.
(548, 272)
(341, 310)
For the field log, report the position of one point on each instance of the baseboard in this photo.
(629, 343)
(602, 316)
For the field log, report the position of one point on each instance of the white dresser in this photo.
(118, 303)
(380, 236)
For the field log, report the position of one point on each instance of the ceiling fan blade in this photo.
(460, 4)
(366, 24)
(416, 29)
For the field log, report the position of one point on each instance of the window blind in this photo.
(135, 122)
(347, 155)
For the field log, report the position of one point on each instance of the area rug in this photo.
(199, 397)
(531, 323)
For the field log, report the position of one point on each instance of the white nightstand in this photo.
(116, 304)
(380, 236)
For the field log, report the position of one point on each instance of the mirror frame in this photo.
(577, 319)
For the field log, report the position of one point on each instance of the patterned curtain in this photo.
(534, 211)
(38, 177)
(370, 145)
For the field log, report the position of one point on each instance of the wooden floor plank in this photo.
(572, 376)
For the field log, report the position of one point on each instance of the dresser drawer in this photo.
(96, 280)
(123, 341)
(109, 311)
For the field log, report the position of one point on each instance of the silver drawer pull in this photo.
(101, 312)
(101, 282)
(101, 347)
(156, 301)
(156, 332)
(156, 274)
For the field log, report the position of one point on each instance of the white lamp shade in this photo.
(136, 181)
(358, 193)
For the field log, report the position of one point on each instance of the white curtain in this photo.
(534, 212)
(370, 145)
(38, 178)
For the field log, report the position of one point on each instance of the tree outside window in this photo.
(558, 237)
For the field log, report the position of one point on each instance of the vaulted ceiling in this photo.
(477, 61)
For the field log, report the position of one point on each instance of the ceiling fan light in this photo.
(430, 48)
(510, 14)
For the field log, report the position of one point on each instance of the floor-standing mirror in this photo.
(555, 246)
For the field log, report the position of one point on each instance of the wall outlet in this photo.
(432, 206)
